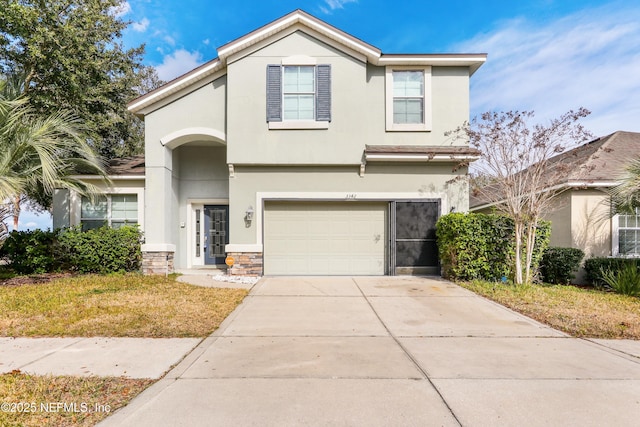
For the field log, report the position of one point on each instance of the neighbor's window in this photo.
(629, 234)
(408, 97)
(299, 92)
(114, 210)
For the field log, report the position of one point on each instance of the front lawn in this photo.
(29, 400)
(129, 305)
(585, 313)
(113, 306)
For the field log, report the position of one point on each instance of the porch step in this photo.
(212, 270)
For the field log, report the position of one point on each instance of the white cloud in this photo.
(120, 10)
(178, 63)
(590, 59)
(335, 4)
(169, 40)
(141, 26)
(206, 42)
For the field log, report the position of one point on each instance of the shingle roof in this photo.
(419, 149)
(133, 165)
(598, 162)
(602, 159)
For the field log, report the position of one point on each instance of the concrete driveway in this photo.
(388, 351)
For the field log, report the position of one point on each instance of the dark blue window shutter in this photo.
(274, 93)
(323, 97)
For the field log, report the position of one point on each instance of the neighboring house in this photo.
(304, 150)
(581, 218)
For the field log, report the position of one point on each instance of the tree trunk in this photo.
(16, 212)
(518, 261)
(531, 241)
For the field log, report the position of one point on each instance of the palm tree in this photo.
(39, 153)
(625, 197)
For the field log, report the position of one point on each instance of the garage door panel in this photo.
(324, 238)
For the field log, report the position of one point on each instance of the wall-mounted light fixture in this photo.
(248, 216)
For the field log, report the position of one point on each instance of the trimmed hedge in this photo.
(595, 266)
(32, 252)
(102, 250)
(558, 265)
(481, 246)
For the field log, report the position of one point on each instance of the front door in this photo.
(216, 234)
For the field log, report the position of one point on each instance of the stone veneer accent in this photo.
(157, 262)
(246, 264)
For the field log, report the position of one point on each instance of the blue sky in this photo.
(549, 56)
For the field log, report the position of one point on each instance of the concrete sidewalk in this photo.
(389, 351)
(130, 357)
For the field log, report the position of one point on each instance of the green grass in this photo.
(114, 306)
(586, 313)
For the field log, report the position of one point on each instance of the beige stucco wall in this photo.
(234, 107)
(358, 108)
(560, 217)
(252, 185)
(201, 175)
(590, 222)
(203, 108)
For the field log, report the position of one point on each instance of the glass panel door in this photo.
(216, 234)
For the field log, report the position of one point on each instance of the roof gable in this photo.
(297, 20)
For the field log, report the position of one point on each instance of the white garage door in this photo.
(319, 238)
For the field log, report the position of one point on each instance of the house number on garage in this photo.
(351, 196)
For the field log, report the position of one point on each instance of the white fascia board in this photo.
(419, 157)
(111, 177)
(372, 55)
(176, 85)
(593, 184)
(473, 61)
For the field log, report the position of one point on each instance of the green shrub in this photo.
(102, 250)
(480, 246)
(32, 252)
(595, 266)
(558, 265)
(625, 281)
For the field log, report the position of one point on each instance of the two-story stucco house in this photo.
(304, 150)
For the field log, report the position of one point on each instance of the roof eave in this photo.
(471, 60)
(175, 85)
(402, 157)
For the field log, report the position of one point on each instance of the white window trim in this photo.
(615, 238)
(408, 127)
(192, 206)
(298, 124)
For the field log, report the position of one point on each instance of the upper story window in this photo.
(408, 98)
(298, 96)
(113, 210)
(299, 92)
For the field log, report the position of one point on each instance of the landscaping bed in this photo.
(580, 312)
